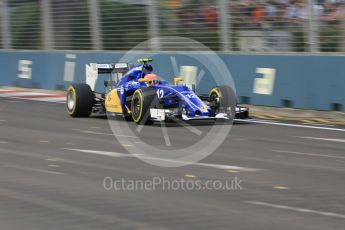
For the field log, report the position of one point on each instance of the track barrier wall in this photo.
(305, 82)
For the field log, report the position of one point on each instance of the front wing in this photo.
(166, 114)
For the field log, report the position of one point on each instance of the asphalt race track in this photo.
(52, 169)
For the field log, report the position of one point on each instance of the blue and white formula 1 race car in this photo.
(139, 95)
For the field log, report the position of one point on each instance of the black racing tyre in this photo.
(79, 100)
(223, 99)
(142, 100)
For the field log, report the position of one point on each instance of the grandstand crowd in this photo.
(285, 13)
(259, 13)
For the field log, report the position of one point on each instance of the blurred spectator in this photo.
(296, 12)
(334, 12)
(210, 16)
(271, 10)
(281, 21)
(318, 10)
(258, 15)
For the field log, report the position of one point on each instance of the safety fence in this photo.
(222, 25)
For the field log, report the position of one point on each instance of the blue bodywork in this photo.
(170, 96)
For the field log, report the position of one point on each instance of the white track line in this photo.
(324, 139)
(104, 153)
(289, 125)
(309, 154)
(116, 154)
(96, 133)
(105, 134)
(331, 214)
(54, 166)
(32, 169)
(217, 166)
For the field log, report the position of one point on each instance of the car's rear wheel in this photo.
(142, 100)
(79, 100)
(223, 100)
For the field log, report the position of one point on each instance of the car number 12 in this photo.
(160, 93)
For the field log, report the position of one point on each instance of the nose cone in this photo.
(196, 105)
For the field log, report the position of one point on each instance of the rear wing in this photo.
(109, 68)
(103, 68)
(93, 69)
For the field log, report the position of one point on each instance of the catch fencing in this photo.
(248, 26)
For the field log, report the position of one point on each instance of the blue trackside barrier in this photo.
(306, 82)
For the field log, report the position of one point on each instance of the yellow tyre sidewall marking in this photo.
(141, 104)
(128, 109)
(216, 92)
(71, 88)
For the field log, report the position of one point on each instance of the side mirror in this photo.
(106, 83)
(177, 80)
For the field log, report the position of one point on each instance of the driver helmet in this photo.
(153, 79)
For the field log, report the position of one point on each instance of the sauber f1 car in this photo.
(139, 95)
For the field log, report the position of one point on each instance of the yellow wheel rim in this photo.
(139, 93)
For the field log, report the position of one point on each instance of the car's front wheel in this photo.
(142, 100)
(223, 100)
